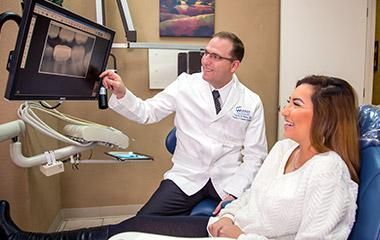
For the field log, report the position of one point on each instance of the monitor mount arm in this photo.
(5, 16)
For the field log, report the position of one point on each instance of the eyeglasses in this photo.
(215, 56)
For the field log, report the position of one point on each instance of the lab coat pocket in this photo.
(235, 131)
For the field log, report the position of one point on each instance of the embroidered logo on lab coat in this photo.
(242, 114)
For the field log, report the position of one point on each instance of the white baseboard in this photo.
(93, 212)
(56, 223)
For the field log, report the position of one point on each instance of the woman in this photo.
(306, 188)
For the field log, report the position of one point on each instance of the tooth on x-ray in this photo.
(53, 31)
(62, 53)
(77, 57)
(48, 60)
(80, 38)
(66, 35)
(86, 60)
(77, 53)
(48, 51)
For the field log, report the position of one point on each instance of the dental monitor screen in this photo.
(59, 55)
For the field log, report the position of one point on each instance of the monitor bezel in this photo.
(16, 54)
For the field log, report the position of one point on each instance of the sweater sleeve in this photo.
(329, 205)
(235, 205)
(232, 208)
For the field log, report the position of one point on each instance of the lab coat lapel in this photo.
(207, 96)
(231, 100)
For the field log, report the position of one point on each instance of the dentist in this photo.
(220, 129)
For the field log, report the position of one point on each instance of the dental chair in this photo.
(367, 224)
(204, 207)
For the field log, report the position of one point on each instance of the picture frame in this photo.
(376, 56)
(187, 18)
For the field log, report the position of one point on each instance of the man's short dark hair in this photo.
(237, 45)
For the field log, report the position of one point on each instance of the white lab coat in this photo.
(229, 147)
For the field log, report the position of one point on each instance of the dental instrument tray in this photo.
(128, 156)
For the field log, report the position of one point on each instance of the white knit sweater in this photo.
(317, 201)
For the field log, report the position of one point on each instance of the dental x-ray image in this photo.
(67, 51)
(59, 55)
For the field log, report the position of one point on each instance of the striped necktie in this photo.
(216, 95)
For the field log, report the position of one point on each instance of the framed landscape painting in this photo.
(187, 18)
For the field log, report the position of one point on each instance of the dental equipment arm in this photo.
(20, 160)
(11, 129)
(107, 136)
(96, 135)
(80, 134)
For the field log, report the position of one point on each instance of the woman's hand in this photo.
(113, 82)
(225, 227)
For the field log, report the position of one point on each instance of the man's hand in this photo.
(113, 82)
(224, 227)
(229, 198)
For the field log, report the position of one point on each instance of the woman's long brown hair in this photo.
(335, 119)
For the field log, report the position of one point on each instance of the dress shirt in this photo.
(224, 91)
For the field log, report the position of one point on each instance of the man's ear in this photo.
(235, 65)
